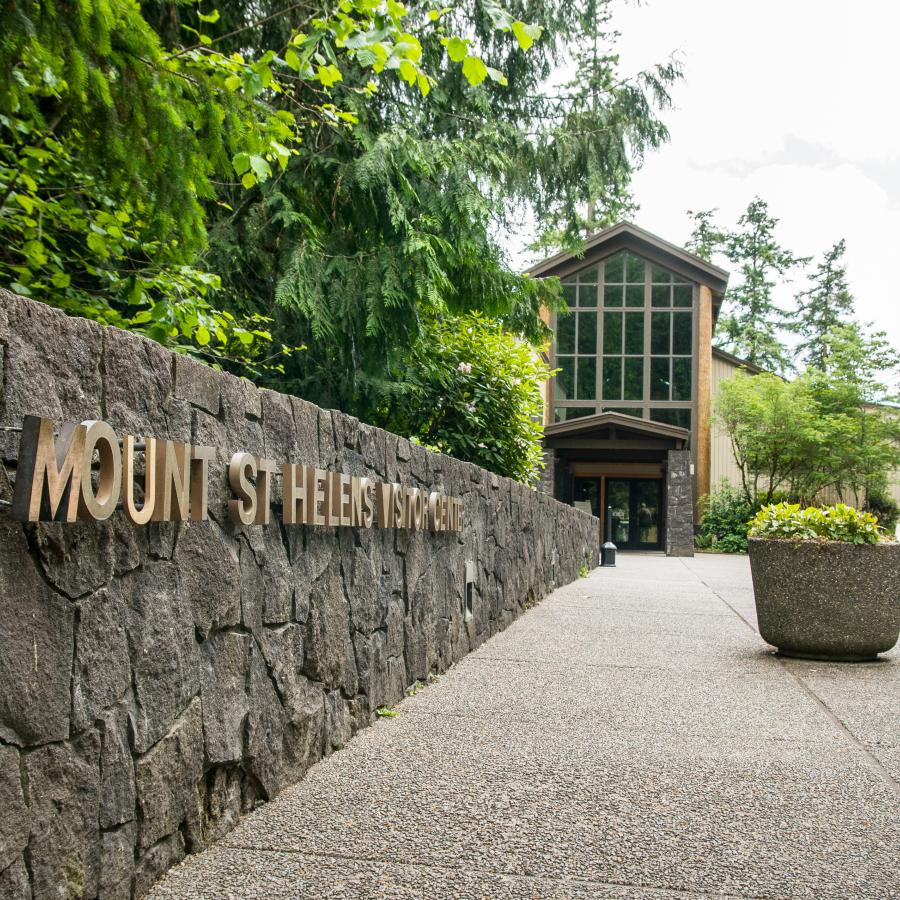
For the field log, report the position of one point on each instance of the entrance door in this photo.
(636, 512)
(636, 509)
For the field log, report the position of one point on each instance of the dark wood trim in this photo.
(575, 443)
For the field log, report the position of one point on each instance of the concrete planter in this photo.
(827, 600)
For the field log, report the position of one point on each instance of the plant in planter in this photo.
(826, 582)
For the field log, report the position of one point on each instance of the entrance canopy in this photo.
(614, 431)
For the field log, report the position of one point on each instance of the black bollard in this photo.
(608, 550)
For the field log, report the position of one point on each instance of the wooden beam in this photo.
(704, 385)
(588, 469)
(605, 444)
(548, 412)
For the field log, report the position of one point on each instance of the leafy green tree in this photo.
(851, 389)
(115, 141)
(602, 125)
(405, 238)
(826, 305)
(773, 429)
(243, 181)
(750, 320)
(864, 360)
(804, 436)
(475, 391)
(705, 238)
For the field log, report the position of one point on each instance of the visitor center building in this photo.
(627, 417)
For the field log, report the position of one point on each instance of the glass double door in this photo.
(636, 509)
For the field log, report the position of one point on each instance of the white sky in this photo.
(793, 100)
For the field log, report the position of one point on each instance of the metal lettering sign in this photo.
(84, 473)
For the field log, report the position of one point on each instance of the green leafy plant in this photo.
(378, 227)
(384, 712)
(821, 431)
(830, 523)
(724, 520)
(883, 506)
(584, 570)
(474, 391)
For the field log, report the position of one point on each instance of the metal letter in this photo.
(320, 487)
(200, 457)
(333, 499)
(173, 476)
(48, 475)
(344, 492)
(241, 470)
(367, 491)
(384, 497)
(434, 517)
(132, 513)
(266, 468)
(296, 489)
(102, 504)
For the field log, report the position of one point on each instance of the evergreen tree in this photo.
(375, 231)
(605, 125)
(822, 308)
(706, 238)
(750, 320)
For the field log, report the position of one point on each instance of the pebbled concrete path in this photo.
(629, 737)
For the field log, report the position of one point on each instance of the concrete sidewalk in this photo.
(629, 737)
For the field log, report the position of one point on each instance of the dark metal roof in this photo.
(626, 236)
(587, 424)
(737, 361)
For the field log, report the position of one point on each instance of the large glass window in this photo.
(627, 342)
(669, 289)
(624, 288)
(612, 377)
(672, 416)
(576, 339)
(671, 338)
(565, 413)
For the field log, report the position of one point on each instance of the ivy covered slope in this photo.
(305, 194)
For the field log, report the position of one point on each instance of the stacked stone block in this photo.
(679, 504)
(157, 682)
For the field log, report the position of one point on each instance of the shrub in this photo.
(475, 391)
(884, 508)
(724, 521)
(829, 523)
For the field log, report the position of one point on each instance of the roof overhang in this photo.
(626, 236)
(737, 362)
(610, 426)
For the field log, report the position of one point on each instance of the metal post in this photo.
(608, 550)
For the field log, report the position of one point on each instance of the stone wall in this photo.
(679, 504)
(157, 682)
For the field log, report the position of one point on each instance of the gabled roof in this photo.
(626, 236)
(589, 426)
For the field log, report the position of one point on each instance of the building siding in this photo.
(722, 465)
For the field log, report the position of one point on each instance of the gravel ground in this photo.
(631, 736)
